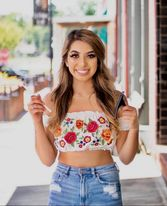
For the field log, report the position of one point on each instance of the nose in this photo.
(82, 61)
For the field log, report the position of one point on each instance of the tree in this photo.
(88, 8)
(39, 36)
(10, 33)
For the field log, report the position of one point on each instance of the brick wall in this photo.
(161, 18)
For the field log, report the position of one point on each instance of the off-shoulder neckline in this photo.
(86, 111)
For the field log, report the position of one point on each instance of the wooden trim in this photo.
(116, 42)
(126, 53)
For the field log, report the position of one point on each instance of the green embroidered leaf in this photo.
(102, 141)
(66, 130)
(72, 129)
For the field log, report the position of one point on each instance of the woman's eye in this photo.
(91, 56)
(74, 55)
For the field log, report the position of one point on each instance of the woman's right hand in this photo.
(36, 108)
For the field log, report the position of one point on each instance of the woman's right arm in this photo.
(43, 137)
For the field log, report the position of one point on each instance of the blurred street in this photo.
(37, 65)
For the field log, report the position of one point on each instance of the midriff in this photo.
(86, 158)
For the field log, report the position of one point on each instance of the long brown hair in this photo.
(103, 81)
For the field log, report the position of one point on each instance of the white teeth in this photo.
(82, 71)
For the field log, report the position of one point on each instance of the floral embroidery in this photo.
(80, 145)
(70, 137)
(57, 131)
(92, 126)
(62, 143)
(87, 139)
(79, 124)
(68, 121)
(106, 134)
(101, 120)
(84, 133)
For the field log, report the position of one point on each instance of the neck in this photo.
(83, 89)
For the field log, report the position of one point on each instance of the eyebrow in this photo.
(79, 52)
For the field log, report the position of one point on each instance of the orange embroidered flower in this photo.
(101, 120)
(62, 143)
(57, 131)
(106, 134)
(87, 139)
(79, 124)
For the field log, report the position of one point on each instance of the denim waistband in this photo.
(61, 167)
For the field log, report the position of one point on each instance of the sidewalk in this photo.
(20, 165)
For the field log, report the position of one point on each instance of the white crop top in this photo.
(86, 130)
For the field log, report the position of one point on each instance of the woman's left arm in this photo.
(127, 141)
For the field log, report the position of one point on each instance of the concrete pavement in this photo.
(19, 162)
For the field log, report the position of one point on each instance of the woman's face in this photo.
(81, 61)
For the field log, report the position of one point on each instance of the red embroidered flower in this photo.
(62, 143)
(87, 139)
(70, 137)
(106, 134)
(79, 124)
(92, 126)
(68, 121)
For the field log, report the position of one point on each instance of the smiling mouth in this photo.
(82, 72)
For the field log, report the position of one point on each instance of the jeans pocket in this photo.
(108, 177)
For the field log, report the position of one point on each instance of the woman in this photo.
(83, 129)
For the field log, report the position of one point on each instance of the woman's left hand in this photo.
(129, 114)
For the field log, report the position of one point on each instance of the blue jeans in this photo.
(94, 186)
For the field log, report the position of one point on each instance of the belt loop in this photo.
(93, 171)
(116, 166)
(67, 169)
